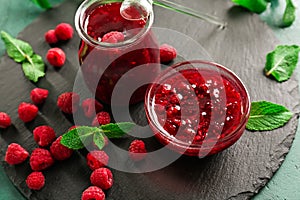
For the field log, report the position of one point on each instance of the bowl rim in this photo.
(186, 145)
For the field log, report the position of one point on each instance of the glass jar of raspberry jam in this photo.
(197, 108)
(112, 47)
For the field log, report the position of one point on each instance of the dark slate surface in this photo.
(237, 173)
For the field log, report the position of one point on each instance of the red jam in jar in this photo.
(104, 64)
(197, 108)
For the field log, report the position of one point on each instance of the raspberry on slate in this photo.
(59, 151)
(64, 31)
(113, 37)
(93, 193)
(97, 159)
(102, 178)
(90, 107)
(137, 150)
(167, 53)
(15, 154)
(50, 37)
(35, 181)
(27, 112)
(101, 118)
(68, 102)
(38, 95)
(40, 159)
(44, 135)
(5, 120)
(56, 57)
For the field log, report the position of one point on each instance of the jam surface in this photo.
(103, 67)
(195, 105)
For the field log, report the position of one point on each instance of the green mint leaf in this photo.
(16, 49)
(79, 137)
(266, 116)
(99, 140)
(289, 14)
(42, 3)
(34, 68)
(116, 130)
(282, 62)
(257, 6)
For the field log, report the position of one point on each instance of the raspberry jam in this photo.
(197, 108)
(103, 64)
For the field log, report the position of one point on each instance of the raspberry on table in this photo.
(59, 151)
(27, 112)
(44, 135)
(35, 181)
(90, 107)
(5, 120)
(50, 37)
(113, 37)
(102, 178)
(101, 118)
(15, 154)
(97, 159)
(64, 31)
(137, 150)
(68, 102)
(93, 193)
(38, 95)
(56, 57)
(40, 159)
(167, 53)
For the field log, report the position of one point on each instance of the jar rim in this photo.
(203, 146)
(79, 25)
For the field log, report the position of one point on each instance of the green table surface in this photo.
(17, 14)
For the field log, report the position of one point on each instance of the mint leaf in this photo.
(282, 62)
(34, 68)
(42, 3)
(99, 140)
(16, 49)
(257, 6)
(266, 116)
(289, 14)
(79, 137)
(116, 130)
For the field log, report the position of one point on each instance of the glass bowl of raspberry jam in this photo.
(197, 108)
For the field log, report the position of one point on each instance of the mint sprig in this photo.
(266, 116)
(84, 135)
(282, 62)
(32, 64)
(289, 15)
(45, 4)
(256, 6)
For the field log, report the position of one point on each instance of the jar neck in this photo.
(82, 14)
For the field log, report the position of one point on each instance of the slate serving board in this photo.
(237, 173)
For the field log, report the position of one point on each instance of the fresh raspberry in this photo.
(59, 151)
(68, 102)
(5, 120)
(56, 57)
(113, 37)
(101, 118)
(102, 178)
(35, 181)
(90, 107)
(38, 95)
(50, 37)
(15, 154)
(64, 31)
(40, 159)
(137, 150)
(27, 112)
(97, 159)
(93, 193)
(44, 135)
(167, 53)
